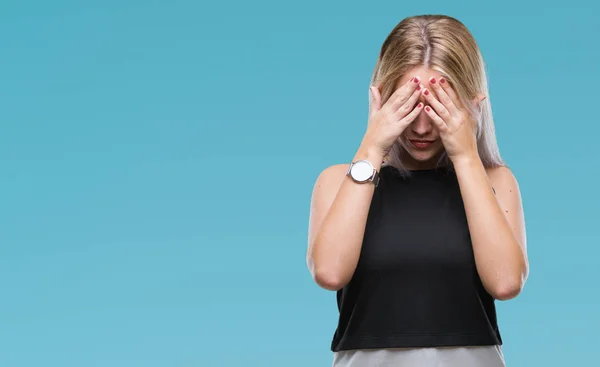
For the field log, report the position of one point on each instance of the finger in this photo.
(450, 92)
(375, 99)
(437, 120)
(439, 108)
(409, 105)
(443, 96)
(406, 120)
(402, 94)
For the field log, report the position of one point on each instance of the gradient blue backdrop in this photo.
(135, 230)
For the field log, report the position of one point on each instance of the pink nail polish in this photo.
(427, 109)
(418, 87)
(426, 92)
(432, 80)
(420, 105)
(416, 79)
(442, 80)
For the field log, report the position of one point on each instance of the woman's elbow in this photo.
(506, 293)
(510, 285)
(508, 290)
(326, 278)
(329, 280)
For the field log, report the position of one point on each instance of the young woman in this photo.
(423, 230)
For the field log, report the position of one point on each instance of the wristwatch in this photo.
(362, 172)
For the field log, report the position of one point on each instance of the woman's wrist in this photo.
(466, 161)
(370, 152)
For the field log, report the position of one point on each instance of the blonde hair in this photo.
(444, 44)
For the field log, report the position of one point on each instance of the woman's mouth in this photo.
(421, 144)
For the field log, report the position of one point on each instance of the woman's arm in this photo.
(340, 206)
(338, 216)
(497, 226)
(495, 221)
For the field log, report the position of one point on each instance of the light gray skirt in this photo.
(478, 356)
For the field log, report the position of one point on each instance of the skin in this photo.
(425, 109)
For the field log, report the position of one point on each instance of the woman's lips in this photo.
(421, 144)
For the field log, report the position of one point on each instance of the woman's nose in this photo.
(422, 125)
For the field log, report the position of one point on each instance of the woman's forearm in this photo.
(499, 254)
(338, 219)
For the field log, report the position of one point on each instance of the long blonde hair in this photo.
(444, 44)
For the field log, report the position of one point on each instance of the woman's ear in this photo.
(480, 98)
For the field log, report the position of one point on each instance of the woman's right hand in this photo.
(387, 122)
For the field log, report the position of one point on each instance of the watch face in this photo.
(362, 171)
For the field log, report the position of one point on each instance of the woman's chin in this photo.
(423, 156)
(430, 154)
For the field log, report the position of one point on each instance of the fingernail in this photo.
(420, 105)
(432, 80)
(427, 109)
(416, 79)
(419, 87)
(442, 80)
(426, 91)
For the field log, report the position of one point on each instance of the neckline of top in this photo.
(423, 170)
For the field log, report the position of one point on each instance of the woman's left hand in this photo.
(456, 126)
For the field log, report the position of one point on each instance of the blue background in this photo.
(135, 230)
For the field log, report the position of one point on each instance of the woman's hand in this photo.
(387, 122)
(456, 126)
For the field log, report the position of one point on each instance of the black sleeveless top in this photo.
(416, 284)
